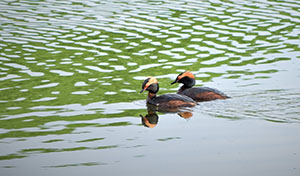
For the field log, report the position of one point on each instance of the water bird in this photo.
(166, 100)
(197, 93)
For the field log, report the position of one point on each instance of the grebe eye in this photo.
(149, 86)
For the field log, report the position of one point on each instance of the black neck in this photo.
(151, 95)
(182, 88)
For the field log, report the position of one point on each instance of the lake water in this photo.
(71, 71)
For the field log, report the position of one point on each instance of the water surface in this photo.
(71, 71)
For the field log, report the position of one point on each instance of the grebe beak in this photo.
(174, 82)
(142, 91)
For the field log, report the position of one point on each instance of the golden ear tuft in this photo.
(152, 80)
(188, 74)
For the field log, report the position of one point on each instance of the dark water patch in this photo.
(11, 156)
(53, 140)
(27, 152)
(91, 140)
(78, 164)
(168, 139)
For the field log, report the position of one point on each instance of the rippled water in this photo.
(71, 71)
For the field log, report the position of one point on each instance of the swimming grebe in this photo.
(196, 93)
(166, 100)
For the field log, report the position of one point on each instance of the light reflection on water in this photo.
(70, 74)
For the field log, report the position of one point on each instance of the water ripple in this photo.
(71, 70)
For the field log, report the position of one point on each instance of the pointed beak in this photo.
(142, 91)
(174, 82)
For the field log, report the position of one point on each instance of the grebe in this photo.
(196, 93)
(166, 100)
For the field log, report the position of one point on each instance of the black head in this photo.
(151, 85)
(186, 78)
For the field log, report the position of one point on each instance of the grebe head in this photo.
(151, 85)
(186, 78)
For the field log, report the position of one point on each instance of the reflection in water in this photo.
(150, 120)
(185, 115)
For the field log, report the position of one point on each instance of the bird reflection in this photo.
(150, 120)
(185, 115)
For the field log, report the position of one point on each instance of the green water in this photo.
(71, 71)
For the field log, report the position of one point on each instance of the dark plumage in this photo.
(166, 100)
(196, 93)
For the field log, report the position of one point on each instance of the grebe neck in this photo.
(182, 88)
(151, 96)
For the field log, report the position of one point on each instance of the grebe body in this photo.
(197, 93)
(167, 100)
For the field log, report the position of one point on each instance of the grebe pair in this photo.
(186, 96)
(150, 120)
